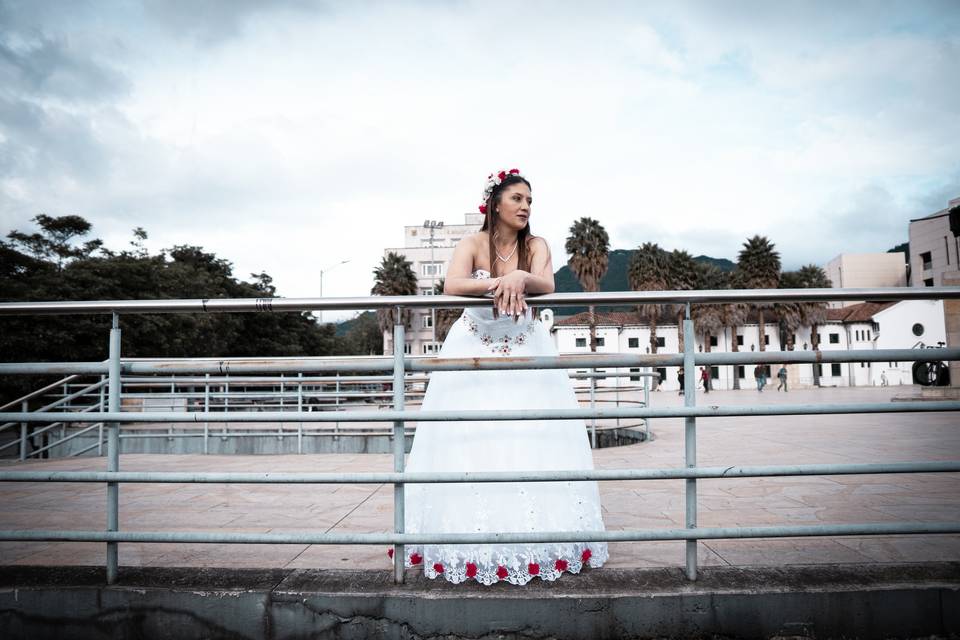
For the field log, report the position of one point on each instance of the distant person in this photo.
(760, 375)
(680, 379)
(883, 379)
(705, 379)
(782, 375)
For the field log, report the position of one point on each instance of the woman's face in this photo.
(514, 206)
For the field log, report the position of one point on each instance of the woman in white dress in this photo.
(507, 260)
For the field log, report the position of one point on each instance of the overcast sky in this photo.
(288, 136)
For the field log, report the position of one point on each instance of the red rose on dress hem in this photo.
(587, 554)
(533, 569)
(415, 558)
(501, 572)
(390, 553)
(471, 570)
(438, 567)
(561, 565)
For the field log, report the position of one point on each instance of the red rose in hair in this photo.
(502, 175)
(438, 568)
(587, 554)
(515, 171)
(471, 570)
(501, 572)
(533, 569)
(390, 553)
(415, 558)
(483, 209)
(561, 565)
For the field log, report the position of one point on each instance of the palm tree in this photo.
(588, 245)
(813, 314)
(759, 265)
(682, 275)
(394, 277)
(709, 317)
(647, 271)
(734, 315)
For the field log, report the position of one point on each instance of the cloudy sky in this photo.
(288, 136)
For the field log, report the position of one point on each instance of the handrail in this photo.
(40, 391)
(875, 294)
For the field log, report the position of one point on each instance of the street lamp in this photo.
(333, 266)
(433, 226)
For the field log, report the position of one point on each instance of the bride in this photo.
(504, 258)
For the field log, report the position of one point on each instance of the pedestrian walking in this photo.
(680, 380)
(758, 374)
(705, 379)
(883, 379)
(782, 375)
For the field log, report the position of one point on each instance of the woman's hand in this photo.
(509, 293)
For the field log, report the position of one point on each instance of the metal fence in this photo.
(400, 365)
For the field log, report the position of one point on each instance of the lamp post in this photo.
(432, 226)
(333, 266)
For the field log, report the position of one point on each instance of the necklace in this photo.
(507, 259)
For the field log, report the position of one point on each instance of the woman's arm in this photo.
(459, 280)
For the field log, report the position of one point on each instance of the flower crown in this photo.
(493, 181)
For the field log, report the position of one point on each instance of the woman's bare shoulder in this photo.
(536, 243)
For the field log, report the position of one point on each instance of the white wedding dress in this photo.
(524, 445)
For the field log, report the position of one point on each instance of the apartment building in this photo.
(935, 246)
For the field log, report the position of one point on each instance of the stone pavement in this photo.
(626, 505)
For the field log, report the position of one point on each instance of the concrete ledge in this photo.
(850, 601)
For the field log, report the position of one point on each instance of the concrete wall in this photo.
(857, 270)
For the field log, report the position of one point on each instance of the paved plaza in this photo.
(626, 505)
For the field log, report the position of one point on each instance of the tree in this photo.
(709, 318)
(735, 315)
(812, 314)
(759, 267)
(647, 271)
(55, 239)
(394, 277)
(682, 275)
(589, 246)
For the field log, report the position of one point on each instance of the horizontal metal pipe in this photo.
(486, 538)
(65, 439)
(38, 392)
(584, 361)
(487, 476)
(439, 302)
(494, 414)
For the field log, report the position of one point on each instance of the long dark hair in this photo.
(490, 224)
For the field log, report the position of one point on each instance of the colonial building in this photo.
(429, 248)
(891, 325)
(935, 246)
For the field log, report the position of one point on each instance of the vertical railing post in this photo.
(100, 408)
(206, 411)
(336, 402)
(173, 405)
(593, 409)
(113, 448)
(300, 410)
(226, 408)
(646, 404)
(690, 440)
(280, 424)
(24, 407)
(398, 444)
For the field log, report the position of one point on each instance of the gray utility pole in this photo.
(433, 225)
(333, 266)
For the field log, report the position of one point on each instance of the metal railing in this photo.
(399, 365)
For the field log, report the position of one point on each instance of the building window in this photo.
(426, 321)
(766, 339)
(662, 342)
(946, 248)
(662, 372)
(928, 282)
(819, 368)
(714, 373)
(633, 343)
(740, 343)
(581, 342)
(600, 342)
(634, 378)
(741, 371)
(713, 341)
(927, 260)
(426, 292)
(407, 348)
(835, 369)
(918, 329)
(428, 347)
(834, 338)
(869, 336)
(431, 269)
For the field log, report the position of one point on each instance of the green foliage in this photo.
(394, 277)
(588, 245)
(53, 264)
